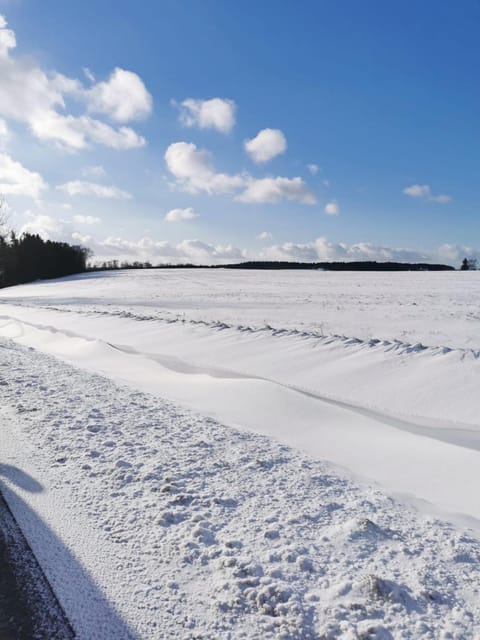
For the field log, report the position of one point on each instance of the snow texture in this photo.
(155, 520)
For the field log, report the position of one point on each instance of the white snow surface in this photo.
(264, 454)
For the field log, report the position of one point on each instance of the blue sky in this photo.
(183, 131)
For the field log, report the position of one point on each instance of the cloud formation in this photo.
(332, 208)
(194, 171)
(39, 99)
(80, 219)
(267, 144)
(84, 188)
(15, 179)
(48, 228)
(216, 113)
(277, 189)
(163, 252)
(264, 235)
(425, 192)
(313, 168)
(177, 215)
(123, 97)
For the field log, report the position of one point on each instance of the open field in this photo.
(249, 454)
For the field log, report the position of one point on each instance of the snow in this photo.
(227, 455)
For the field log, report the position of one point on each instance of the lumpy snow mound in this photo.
(248, 454)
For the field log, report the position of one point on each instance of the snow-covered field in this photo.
(228, 454)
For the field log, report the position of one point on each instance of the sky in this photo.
(220, 131)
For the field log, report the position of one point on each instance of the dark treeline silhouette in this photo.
(343, 266)
(326, 266)
(31, 258)
(115, 265)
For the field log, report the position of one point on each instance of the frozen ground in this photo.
(176, 526)
(434, 308)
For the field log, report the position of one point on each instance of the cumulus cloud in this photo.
(39, 99)
(216, 113)
(163, 252)
(80, 219)
(264, 235)
(323, 250)
(84, 188)
(123, 97)
(194, 171)
(48, 228)
(332, 208)
(15, 179)
(7, 38)
(176, 215)
(424, 191)
(277, 189)
(313, 168)
(267, 144)
(79, 132)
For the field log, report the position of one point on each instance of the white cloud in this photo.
(332, 208)
(194, 171)
(313, 168)
(323, 250)
(79, 238)
(123, 97)
(74, 133)
(48, 228)
(267, 144)
(39, 99)
(276, 190)
(162, 252)
(424, 191)
(96, 171)
(15, 179)
(176, 215)
(7, 38)
(217, 113)
(264, 235)
(80, 219)
(83, 188)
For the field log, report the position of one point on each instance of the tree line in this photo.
(29, 257)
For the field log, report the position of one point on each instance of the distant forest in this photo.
(344, 266)
(325, 266)
(31, 258)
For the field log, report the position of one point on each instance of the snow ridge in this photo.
(318, 338)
